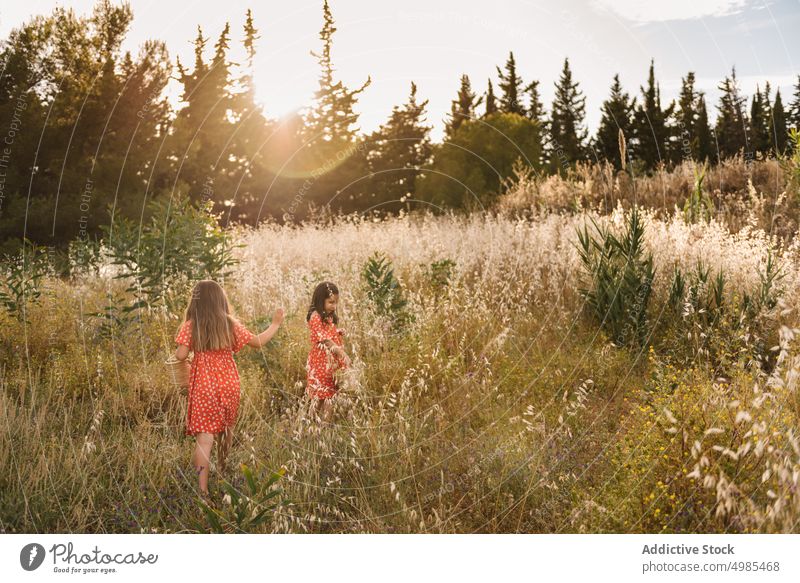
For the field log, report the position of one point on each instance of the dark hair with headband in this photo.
(323, 291)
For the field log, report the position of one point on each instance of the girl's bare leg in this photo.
(202, 458)
(314, 408)
(326, 407)
(225, 441)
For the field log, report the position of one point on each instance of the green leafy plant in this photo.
(791, 163)
(180, 243)
(698, 205)
(724, 325)
(384, 290)
(769, 289)
(698, 294)
(440, 273)
(84, 256)
(116, 316)
(620, 277)
(22, 283)
(243, 510)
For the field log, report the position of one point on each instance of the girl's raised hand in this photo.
(277, 317)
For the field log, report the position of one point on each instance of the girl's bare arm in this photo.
(335, 349)
(182, 352)
(260, 340)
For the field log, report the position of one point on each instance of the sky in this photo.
(434, 43)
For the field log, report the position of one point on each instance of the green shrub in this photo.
(698, 205)
(620, 278)
(84, 256)
(22, 281)
(791, 164)
(724, 326)
(242, 511)
(440, 273)
(179, 244)
(384, 290)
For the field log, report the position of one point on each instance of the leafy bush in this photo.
(698, 205)
(243, 511)
(384, 290)
(620, 276)
(84, 256)
(705, 319)
(115, 317)
(468, 170)
(23, 277)
(791, 164)
(181, 243)
(440, 272)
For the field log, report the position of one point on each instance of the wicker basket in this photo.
(178, 371)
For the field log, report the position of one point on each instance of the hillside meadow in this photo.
(497, 385)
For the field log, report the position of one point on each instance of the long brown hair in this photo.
(212, 317)
(324, 290)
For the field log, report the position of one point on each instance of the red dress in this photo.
(213, 383)
(321, 363)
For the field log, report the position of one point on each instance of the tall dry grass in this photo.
(502, 407)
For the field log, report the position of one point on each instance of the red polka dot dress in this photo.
(321, 363)
(213, 383)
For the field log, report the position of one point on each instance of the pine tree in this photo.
(793, 114)
(332, 119)
(567, 140)
(617, 115)
(511, 84)
(399, 149)
(777, 126)
(731, 121)
(251, 129)
(332, 155)
(535, 109)
(706, 147)
(463, 107)
(686, 121)
(652, 142)
(202, 127)
(491, 101)
(535, 112)
(758, 130)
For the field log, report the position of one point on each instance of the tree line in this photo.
(88, 132)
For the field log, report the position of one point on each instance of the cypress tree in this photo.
(332, 157)
(491, 101)
(251, 127)
(463, 107)
(567, 140)
(399, 149)
(202, 127)
(793, 114)
(652, 135)
(758, 130)
(535, 112)
(686, 121)
(731, 121)
(535, 109)
(617, 114)
(777, 126)
(331, 119)
(510, 85)
(706, 147)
